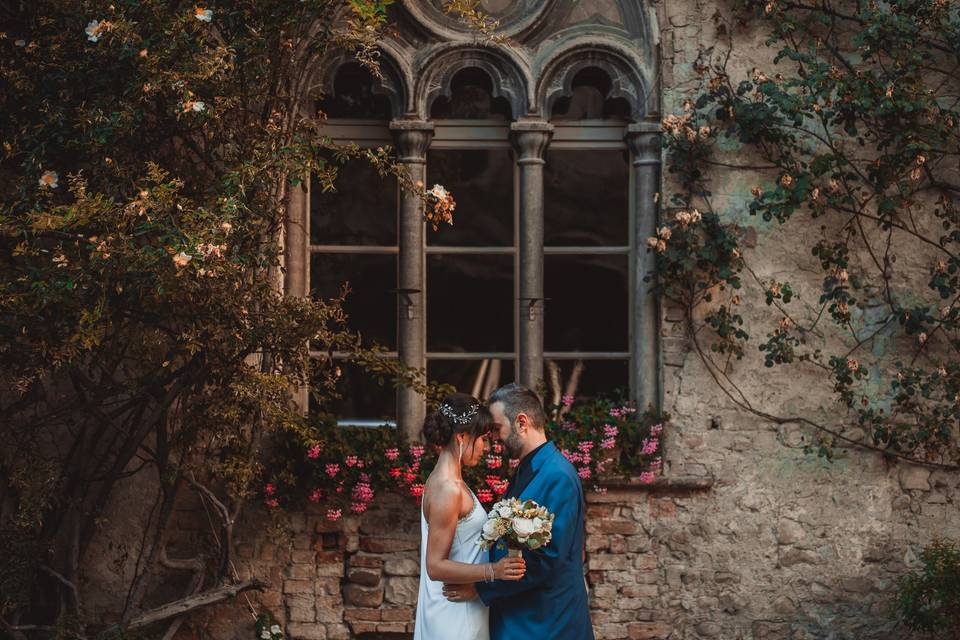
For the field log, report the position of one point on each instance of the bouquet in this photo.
(524, 525)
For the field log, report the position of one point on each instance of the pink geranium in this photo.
(392, 454)
(313, 452)
(334, 514)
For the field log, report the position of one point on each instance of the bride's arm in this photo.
(444, 513)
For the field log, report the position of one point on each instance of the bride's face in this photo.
(474, 449)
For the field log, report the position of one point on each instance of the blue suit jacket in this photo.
(550, 602)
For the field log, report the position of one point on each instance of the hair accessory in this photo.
(459, 418)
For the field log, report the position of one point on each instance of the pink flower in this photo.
(358, 507)
(492, 481)
(333, 514)
(608, 443)
(646, 477)
(362, 492)
(333, 469)
(273, 503)
(395, 472)
(494, 462)
(585, 458)
(584, 472)
(392, 454)
(269, 489)
(649, 446)
(656, 429)
(315, 496)
(365, 477)
(484, 495)
(615, 413)
(314, 452)
(497, 448)
(417, 491)
(585, 446)
(409, 476)
(610, 430)
(501, 487)
(416, 451)
(656, 464)
(567, 400)
(351, 461)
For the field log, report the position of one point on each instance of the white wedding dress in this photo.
(437, 617)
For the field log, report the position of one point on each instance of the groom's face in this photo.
(509, 435)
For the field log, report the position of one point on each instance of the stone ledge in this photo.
(679, 484)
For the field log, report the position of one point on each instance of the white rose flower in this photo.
(265, 634)
(275, 629)
(505, 511)
(523, 527)
(490, 530)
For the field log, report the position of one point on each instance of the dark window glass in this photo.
(586, 198)
(589, 101)
(362, 396)
(479, 378)
(471, 98)
(469, 303)
(355, 96)
(362, 210)
(372, 302)
(587, 303)
(481, 182)
(598, 377)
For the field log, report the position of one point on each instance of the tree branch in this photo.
(194, 602)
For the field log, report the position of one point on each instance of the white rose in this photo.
(490, 530)
(275, 629)
(523, 527)
(265, 634)
(537, 524)
(505, 511)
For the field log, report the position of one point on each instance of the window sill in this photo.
(618, 488)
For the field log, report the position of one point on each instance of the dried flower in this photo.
(49, 179)
(203, 15)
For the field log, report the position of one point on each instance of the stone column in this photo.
(643, 139)
(296, 257)
(412, 138)
(530, 139)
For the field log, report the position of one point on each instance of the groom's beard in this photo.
(514, 443)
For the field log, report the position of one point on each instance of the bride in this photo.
(450, 522)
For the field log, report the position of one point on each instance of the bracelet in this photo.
(488, 577)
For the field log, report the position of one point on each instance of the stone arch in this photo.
(395, 83)
(510, 74)
(629, 78)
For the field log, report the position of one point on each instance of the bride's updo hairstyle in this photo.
(458, 413)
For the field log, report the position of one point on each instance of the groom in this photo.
(551, 599)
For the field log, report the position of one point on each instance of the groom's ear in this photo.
(522, 421)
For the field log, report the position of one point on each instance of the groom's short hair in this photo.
(517, 399)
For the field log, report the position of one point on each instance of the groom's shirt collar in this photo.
(527, 460)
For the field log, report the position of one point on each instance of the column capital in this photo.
(644, 139)
(530, 139)
(413, 139)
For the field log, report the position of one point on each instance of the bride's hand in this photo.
(509, 569)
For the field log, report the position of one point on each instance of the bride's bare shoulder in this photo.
(442, 497)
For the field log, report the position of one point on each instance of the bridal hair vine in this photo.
(459, 418)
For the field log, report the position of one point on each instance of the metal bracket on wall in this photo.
(532, 303)
(408, 301)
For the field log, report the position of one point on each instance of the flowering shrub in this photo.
(344, 468)
(854, 135)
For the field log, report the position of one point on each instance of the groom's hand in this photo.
(459, 592)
